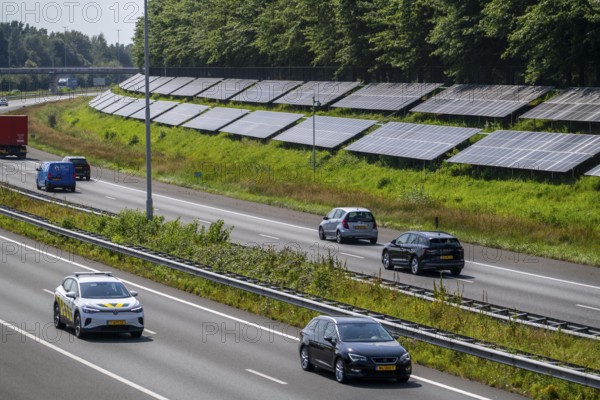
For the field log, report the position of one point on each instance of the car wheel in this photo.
(373, 240)
(78, 329)
(414, 266)
(404, 379)
(305, 360)
(57, 323)
(73, 189)
(48, 187)
(338, 237)
(385, 259)
(321, 233)
(87, 178)
(38, 186)
(456, 271)
(340, 371)
(136, 334)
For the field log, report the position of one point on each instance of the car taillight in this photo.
(49, 175)
(345, 224)
(374, 224)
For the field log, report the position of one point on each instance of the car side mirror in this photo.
(393, 242)
(71, 295)
(133, 293)
(325, 218)
(38, 168)
(330, 339)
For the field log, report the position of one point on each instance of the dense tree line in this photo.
(26, 46)
(548, 41)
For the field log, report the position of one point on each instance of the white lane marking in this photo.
(214, 208)
(450, 388)
(205, 222)
(50, 292)
(149, 331)
(110, 198)
(266, 377)
(268, 237)
(78, 359)
(351, 255)
(591, 308)
(536, 275)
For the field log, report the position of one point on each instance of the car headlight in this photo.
(405, 357)
(89, 310)
(357, 357)
(137, 309)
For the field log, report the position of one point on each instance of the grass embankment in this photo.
(556, 220)
(324, 278)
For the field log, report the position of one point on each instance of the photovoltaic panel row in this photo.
(100, 98)
(266, 91)
(556, 152)
(173, 85)
(215, 119)
(481, 100)
(594, 171)
(573, 104)
(262, 124)
(158, 83)
(330, 132)
(133, 105)
(386, 96)
(115, 104)
(157, 108)
(422, 142)
(130, 80)
(180, 114)
(140, 87)
(324, 92)
(106, 101)
(135, 84)
(196, 86)
(226, 89)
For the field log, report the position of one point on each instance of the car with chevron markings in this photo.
(97, 302)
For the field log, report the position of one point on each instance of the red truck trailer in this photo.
(13, 135)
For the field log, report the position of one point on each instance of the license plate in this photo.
(116, 322)
(360, 227)
(56, 179)
(386, 368)
(446, 257)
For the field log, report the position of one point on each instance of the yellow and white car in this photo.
(97, 302)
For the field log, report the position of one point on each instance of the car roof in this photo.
(94, 277)
(348, 209)
(349, 320)
(434, 234)
(74, 158)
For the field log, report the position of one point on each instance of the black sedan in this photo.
(353, 347)
(422, 251)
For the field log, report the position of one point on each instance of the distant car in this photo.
(82, 167)
(3, 102)
(353, 347)
(422, 251)
(56, 174)
(345, 223)
(97, 302)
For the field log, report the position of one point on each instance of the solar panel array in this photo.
(159, 82)
(131, 80)
(330, 132)
(227, 89)
(157, 108)
(262, 124)
(423, 142)
(140, 86)
(196, 86)
(573, 104)
(180, 114)
(106, 101)
(386, 96)
(215, 118)
(594, 171)
(173, 85)
(481, 100)
(556, 152)
(325, 92)
(266, 91)
(133, 105)
(117, 103)
(100, 98)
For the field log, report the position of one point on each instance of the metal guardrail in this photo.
(512, 315)
(489, 351)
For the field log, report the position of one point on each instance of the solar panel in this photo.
(386, 96)
(100, 98)
(139, 80)
(196, 86)
(481, 100)
(130, 80)
(556, 152)
(262, 124)
(114, 104)
(226, 89)
(178, 115)
(157, 83)
(423, 142)
(594, 171)
(573, 104)
(173, 85)
(140, 86)
(157, 108)
(323, 91)
(215, 119)
(133, 105)
(330, 132)
(266, 91)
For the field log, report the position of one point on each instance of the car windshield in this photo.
(364, 332)
(104, 290)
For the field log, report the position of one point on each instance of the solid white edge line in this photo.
(268, 237)
(450, 388)
(266, 377)
(83, 361)
(589, 307)
(50, 292)
(351, 255)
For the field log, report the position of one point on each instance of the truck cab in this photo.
(56, 174)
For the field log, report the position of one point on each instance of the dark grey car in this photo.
(344, 223)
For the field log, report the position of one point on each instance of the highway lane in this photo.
(557, 289)
(192, 349)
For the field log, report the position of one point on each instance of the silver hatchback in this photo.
(344, 223)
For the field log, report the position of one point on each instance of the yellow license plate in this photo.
(446, 257)
(116, 322)
(386, 368)
(360, 227)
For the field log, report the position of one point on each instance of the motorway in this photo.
(552, 288)
(192, 348)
